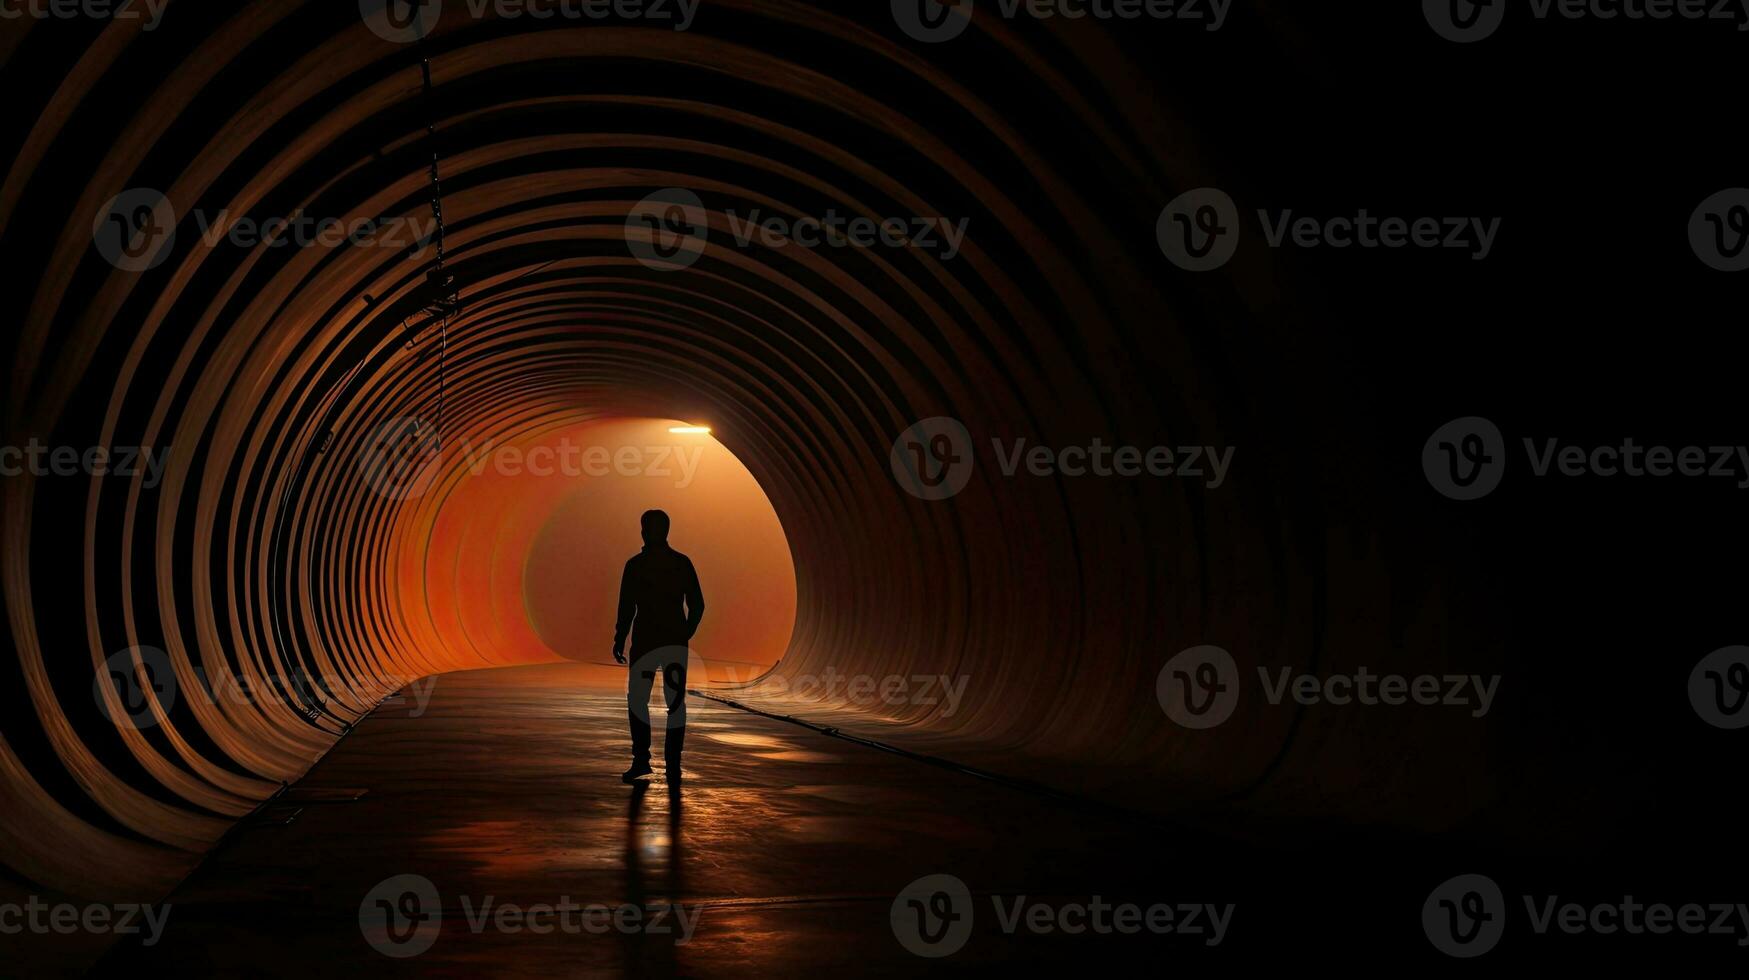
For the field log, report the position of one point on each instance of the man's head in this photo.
(655, 524)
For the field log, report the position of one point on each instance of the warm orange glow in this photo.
(691, 430)
(524, 554)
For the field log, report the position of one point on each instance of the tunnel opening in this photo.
(521, 562)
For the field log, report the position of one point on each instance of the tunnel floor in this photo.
(784, 847)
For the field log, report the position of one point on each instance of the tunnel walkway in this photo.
(784, 848)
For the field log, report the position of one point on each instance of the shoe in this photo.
(638, 769)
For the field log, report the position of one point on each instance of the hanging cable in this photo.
(445, 304)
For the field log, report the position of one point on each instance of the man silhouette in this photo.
(660, 591)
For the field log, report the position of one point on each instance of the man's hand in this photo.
(619, 654)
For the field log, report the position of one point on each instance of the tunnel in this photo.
(550, 232)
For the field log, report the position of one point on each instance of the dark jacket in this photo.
(656, 583)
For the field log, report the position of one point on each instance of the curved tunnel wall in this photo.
(263, 556)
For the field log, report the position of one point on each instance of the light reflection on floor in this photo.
(790, 845)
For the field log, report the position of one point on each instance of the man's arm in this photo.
(628, 610)
(694, 601)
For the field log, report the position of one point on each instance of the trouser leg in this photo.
(638, 683)
(674, 693)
